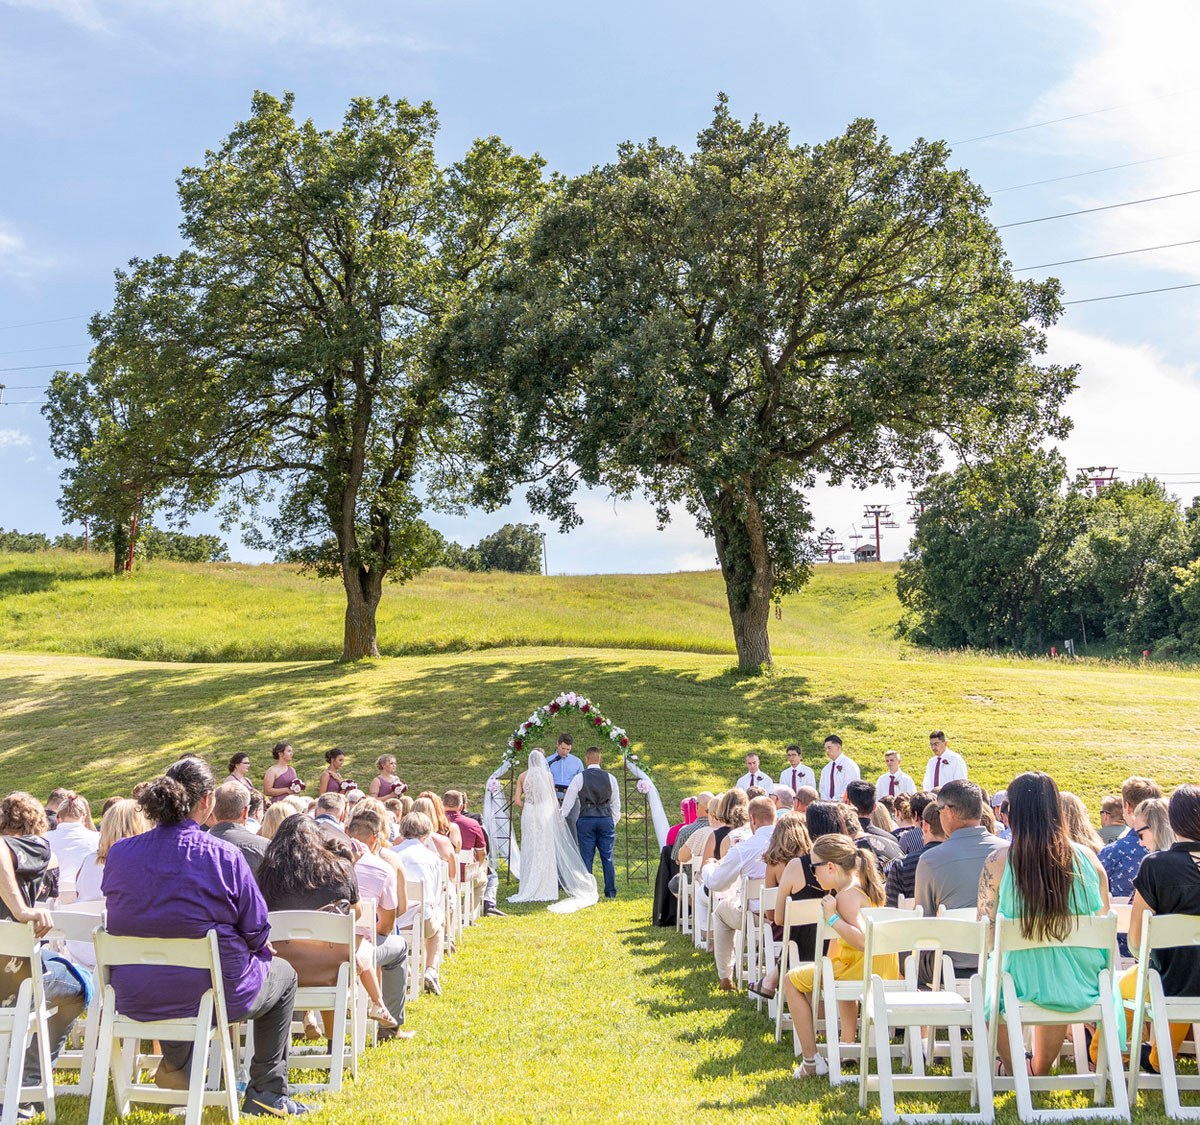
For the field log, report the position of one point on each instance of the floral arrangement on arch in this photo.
(533, 729)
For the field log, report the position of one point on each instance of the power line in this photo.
(44, 366)
(1116, 254)
(1106, 207)
(26, 402)
(1136, 293)
(1092, 172)
(1071, 117)
(47, 348)
(35, 323)
(23, 386)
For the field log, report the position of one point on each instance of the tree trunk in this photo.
(364, 588)
(749, 575)
(120, 546)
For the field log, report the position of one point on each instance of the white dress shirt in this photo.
(760, 779)
(838, 774)
(904, 784)
(425, 865)
(743, 860)
(71, 843)
(793, 777)
(572, 794)
(953, 769)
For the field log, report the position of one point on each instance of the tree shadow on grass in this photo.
(28, 580)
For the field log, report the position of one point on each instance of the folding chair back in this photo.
(337, 931)
(1163, 931)
(74, 927)
(796, 912)
(23, 1023)
(209, 1026)
(414, 935)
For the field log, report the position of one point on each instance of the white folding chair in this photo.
(340, 998)
(767, 900)
(745, 941)
(896, 1004)
(701, 906)
(1124, 911)
(414, 936)
(1088, 932)
(683, 899)
(120, 1034)
(797, 912)
(23, 1023)
(76, 923)
(1163, 931)
(905, 902)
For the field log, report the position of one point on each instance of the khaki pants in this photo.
(727, 922)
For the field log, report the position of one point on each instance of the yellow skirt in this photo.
(847, 965)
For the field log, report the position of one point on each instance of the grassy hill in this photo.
(652, 650)
(70, 603)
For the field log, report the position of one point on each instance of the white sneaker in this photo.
(432, 984)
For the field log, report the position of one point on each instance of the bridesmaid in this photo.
(331, 777)
(281, 780)
(239, 768)
(387, 784)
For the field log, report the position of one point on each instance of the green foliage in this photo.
(719, 329)
(24, 542)
(516, 548)
(282, 355)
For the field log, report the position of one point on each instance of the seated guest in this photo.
(783, 799)
(902, 876)
(912, 838)
(330, 813)
(826, 818)
(72, 840)
(860, 795)
(470, 832)
(439, 839)
(881, 818)
(274, 817)
(281, 779)
(724, 878)
(1043, 881)
(231, 807)
(442, 824)
(254, 812)
(123, 820)
(703, 801)
(239, 770)
(56, 798)
(1079, 824)
(387, 784)
(1152, 825)
(706, 825)
(1168, 882)
(25, 860)
(1122, 858)
(385, 884)
(999, 803)
(422, 863)
(805, 796)
(1112, 818)
(851, 879)
(307, 869)
(949, 874)
(176, 882)
(790, 870)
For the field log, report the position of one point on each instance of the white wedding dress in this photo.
(549, 852)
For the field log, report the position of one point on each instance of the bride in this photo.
(549, 853)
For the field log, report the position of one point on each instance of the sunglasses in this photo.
(1139, 831)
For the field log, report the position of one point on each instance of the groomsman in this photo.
(945, 765)
(565, 768)
(895, 781)
(797, 773)
(754, 776)
(839, 771)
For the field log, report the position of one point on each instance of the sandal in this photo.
(757, 988)
(381, 1016)
(811, 1068)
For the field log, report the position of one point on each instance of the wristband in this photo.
(834, 917)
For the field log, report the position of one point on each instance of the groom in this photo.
(599, 800)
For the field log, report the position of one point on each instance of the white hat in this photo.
(999, 798)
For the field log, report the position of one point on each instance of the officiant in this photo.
(565, 768)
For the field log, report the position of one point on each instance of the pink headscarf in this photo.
(688, 807)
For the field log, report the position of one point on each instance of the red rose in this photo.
(553, 708)
(517, 743)
(623, 743)
(585, 708)
(597, 721)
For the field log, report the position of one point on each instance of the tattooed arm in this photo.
(989, 889)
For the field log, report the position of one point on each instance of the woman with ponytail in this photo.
(177, 881)
(850, 877)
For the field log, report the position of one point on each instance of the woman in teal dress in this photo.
(1045, 881)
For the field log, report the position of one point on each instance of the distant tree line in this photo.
(152, 543)
(1012, 554)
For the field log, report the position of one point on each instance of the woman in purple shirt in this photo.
(177, 881)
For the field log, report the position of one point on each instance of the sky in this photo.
(103, 102)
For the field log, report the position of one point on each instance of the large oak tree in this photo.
(281, 359)
(723, 328)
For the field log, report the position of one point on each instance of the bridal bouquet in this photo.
(568, 702)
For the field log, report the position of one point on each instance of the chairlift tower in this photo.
(1098, 477)
(882, 515)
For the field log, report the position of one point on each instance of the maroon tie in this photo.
(892, 786)
(937, 771)
(832, 771)
(793, 779)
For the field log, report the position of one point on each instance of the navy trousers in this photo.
(598, 832)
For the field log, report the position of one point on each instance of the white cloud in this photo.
(17, 261)
(13, 438)
(270, 22)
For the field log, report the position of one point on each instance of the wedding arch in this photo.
(641, 806)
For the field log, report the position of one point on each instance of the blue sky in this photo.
(102, 102)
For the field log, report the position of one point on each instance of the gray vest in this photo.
(595, 797)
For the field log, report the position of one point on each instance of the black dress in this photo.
(666, 906)
(805, 937)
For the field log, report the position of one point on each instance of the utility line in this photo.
(1116, 254)
(35, 323)
(26, 402)
(1093, 172)
(45, 366)
(47, 348)
(24, 386)
(1071, 117)
(1106, 207)
(1136, 293)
